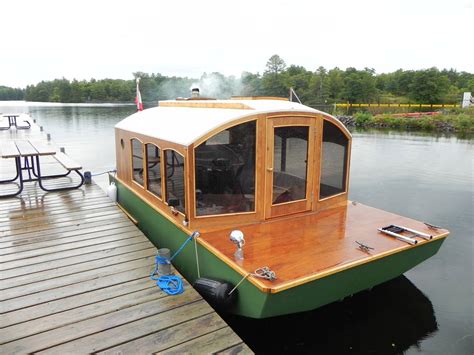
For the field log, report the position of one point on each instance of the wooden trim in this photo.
(146, 168)
(164, 212)
(259, 98)
(236, 218)
(320, 114)
(317, 160)
(131, 161)
(129, 216)
(347, 162)
(165, 192)
(350, 265)
(288, 114)
(215, 131)
(274, 210)
(205, 104)
(255, 176)
(124, 166)
(236, 267)
(333, 196)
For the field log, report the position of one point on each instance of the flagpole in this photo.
(138, 98)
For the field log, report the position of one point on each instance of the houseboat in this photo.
(261, 186)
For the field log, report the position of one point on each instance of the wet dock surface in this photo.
(74, 278)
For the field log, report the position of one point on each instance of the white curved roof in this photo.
(184, 125)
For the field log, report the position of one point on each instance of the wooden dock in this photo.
(74, 278)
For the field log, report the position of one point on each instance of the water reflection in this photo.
(389, 319)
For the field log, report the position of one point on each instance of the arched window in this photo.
(137, 161)
(174, 180)
(333, 161)
(225, 171)
(153, 166)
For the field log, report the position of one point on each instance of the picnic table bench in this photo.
(12, 122)
(28, 168)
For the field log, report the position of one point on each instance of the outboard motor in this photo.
(216, 292)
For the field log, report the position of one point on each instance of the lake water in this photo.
(427, 177)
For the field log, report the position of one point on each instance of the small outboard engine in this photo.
(216, 292)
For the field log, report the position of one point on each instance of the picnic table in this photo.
(28, 164)
(12, 121)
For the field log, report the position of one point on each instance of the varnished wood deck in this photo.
(302, 248)
(74, 278)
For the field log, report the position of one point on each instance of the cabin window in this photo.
(334, 161)
(174, 180)
(137, 161)
(290, 163)
(153, 166)
(225, 171)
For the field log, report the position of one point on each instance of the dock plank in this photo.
(71, 252)
(169, 337)
(77, 330)
(73, 245)
(58, 320)
(49, 284)
(31, 238)
(60, 263)
(71, 272)
(46, 242)
(68, 302)
(210, 343)
(132, 330)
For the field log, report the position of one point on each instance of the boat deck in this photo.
(303, 248)
(74, 278)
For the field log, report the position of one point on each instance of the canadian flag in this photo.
(138, 98)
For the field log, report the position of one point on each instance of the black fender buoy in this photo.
(216, 292)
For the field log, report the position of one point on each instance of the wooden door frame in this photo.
(297, 206)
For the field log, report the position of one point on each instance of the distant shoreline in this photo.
(455, 121)
(19, 103)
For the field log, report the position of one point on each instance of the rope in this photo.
(197, 258)
(242, 280)
(171, 284)
(265, 273)
(158, 260)
(262, 272)
(105, 172)
(180, 249)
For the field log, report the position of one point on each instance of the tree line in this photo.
(318, 87)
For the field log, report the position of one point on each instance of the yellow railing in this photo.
(399, 105)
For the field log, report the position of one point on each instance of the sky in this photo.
(44, 40)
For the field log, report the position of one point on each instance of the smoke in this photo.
(218, 86)
(213, 85)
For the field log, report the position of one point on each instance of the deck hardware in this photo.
(262, 272)
(364, 247)
(237, 237)
(415, 232)
(265, 273)
(173, 203)
(431, 226)
(394, 231)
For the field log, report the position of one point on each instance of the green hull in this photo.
(251, 302)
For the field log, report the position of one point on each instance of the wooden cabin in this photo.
(234, 162)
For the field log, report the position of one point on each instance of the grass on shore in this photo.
(456, 120)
